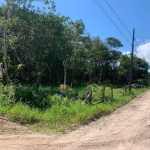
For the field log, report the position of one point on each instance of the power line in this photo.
(107, 15)
(118, 17)
(120, 21)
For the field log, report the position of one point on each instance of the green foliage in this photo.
(113, 42)
(23, 114)
(55, 99)
(38, 97)
(37, 45)
(7, 95)
(5, 109)
(39, 42)
(60, 112)
(71, 92)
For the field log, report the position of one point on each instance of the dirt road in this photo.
(128, 128)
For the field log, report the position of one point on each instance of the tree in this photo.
(11, 7)
(114, 63)
(97, 59)
(74, 46)
(140, 70)
(5, 36)
(113, 43)
(45, 48)
(123, 69)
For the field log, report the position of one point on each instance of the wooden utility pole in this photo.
(131, 62)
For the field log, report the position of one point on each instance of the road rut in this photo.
(127, 128)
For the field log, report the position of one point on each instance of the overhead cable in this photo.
(107, 15)
(118, 17)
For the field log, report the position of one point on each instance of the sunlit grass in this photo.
(63, 114)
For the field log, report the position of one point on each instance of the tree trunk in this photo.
(5, 52)
(5, 40)
(66, 67)
(65, 75)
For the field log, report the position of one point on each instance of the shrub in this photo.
(22, 114)
(7, 95)
(33, 96)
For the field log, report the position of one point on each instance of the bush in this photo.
(33, 96)
(22, 114)
(71, 93)
(7, 95)
(59, 112)
(54, 99)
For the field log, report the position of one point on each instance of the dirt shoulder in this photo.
(127, 128)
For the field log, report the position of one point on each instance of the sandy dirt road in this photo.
(128, 128)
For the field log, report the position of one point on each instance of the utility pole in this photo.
(131, 62)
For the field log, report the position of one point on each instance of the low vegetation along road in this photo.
(128, 128)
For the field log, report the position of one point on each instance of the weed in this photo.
(44, 111)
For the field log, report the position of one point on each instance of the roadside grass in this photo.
(62, 113)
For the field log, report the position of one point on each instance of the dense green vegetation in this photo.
(58, 113)
(40, 50)
(44, 48)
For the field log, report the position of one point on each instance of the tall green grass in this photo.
(60, 113)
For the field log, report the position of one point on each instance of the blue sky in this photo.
(133, 14)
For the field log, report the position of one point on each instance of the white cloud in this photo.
(148, 40)
(143, 51)
(126, 52)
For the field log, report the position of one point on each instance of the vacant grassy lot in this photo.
(44, 110)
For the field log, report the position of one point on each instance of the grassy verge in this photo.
(63, 114)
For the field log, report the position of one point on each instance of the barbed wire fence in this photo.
(94, 94)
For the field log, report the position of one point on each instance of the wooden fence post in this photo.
(103, 94)
(125, 88)
(112, 95)
(88, 96)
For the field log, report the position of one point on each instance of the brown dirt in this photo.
(128, 128)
